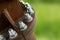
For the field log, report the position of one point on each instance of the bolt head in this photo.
(29, 8)
(12, 33)
(22, 26)
(28, 18)
(22, 2)
(2, 37)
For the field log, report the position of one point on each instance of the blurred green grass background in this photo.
(48, 19)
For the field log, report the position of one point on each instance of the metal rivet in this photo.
(29, 8)
(28, 18)
(12, 33)
(2, 37)
(22, 2)
(27, 5)
(22, 26)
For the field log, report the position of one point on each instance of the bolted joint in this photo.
(29, 8)
(28, 18)
(12, 33)
(22, 26)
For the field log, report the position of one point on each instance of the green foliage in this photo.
(48, 21)
(46, 1)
